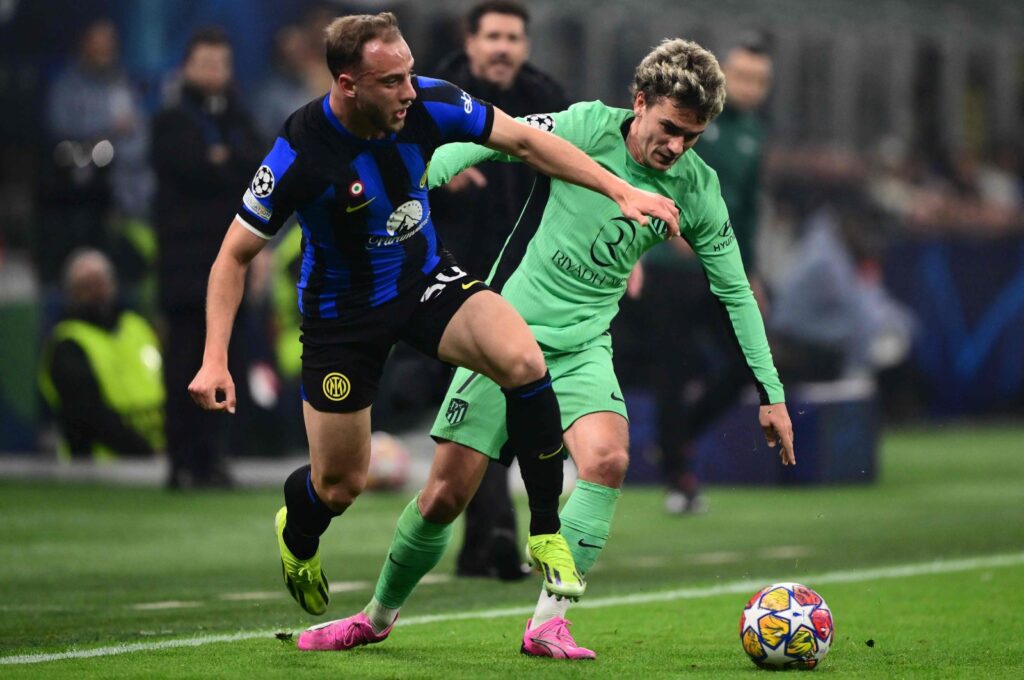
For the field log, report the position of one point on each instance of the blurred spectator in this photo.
(966, 195)
(833, 317)
(101, 368)
(286, 89)
(204, 147)
(97, 137)
(475, 217)
(732, 145)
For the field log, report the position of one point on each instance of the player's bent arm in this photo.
(225, 288)
(729, 284)
(555, 157)
(451, 159)
(223, 295)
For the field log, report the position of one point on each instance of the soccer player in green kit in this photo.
(564, 268)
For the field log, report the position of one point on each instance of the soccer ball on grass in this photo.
(786, 625)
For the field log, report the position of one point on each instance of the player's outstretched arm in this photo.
(223, 295)
(553, 156)
(778, 430)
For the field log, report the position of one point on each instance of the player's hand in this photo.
(208, 381)
(470, 177)
(637, 205)
(778, 429)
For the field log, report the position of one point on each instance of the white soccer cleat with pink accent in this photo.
(335, 636)
(554, 640)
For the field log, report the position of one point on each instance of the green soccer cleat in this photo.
(304, 579)
(550, 555)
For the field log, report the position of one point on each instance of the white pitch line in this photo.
(170, 604)
(736, 587)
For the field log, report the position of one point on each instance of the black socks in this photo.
(308, 517)
(534, 425)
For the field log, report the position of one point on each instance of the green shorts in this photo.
(473, 410)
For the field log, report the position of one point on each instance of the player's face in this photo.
(498, 49)
(748, 76)
(662, 132)
(383, 84)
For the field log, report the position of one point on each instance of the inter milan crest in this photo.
(456, 411)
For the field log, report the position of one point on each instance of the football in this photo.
(389, 463)
(786, 625)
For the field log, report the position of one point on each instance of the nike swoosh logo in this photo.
(353, 208)
(545, 456)
(614, 398)
(588, 545)
(467, 286)
(396, 562)
(423, 178)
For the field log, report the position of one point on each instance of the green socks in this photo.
(416, 549)
(587, 520)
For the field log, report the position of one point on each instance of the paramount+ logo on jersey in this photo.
(404, 223)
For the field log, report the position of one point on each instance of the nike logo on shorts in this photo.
(615, 398)
(353, 208)
(467, 286)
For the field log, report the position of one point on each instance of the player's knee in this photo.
(607, 467)
(522, 366)
(442, 502)
(338, 493)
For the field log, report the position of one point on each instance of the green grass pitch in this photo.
(924, 573)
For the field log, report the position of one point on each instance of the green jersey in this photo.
(565, 265)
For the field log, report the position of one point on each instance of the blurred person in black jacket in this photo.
(204, 147)
(475, 214)
(95, 161)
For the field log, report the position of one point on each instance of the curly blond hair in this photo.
(686, 72)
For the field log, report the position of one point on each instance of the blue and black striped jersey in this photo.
(362, 204)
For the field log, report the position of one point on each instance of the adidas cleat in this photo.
(550, 555)
(304, 579)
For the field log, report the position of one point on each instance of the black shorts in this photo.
(342, 364)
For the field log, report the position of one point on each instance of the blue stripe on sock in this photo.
(309, 488)
(537, 389)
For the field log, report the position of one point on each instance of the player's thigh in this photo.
(472, 414)
(455, 475)
(488, 336)
(339, 446)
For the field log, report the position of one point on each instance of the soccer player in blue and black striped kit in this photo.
(352, 165)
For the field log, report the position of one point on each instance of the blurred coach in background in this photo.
(476, 213)
(204, 147)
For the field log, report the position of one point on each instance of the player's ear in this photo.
(639, 103)
(346, 84)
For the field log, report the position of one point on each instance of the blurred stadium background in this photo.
(895, 137)
(903, 116)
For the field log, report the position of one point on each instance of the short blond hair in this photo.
(344, 38)
(685, 72)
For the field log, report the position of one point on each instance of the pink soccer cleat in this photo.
(342, 634)
(553, 639)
